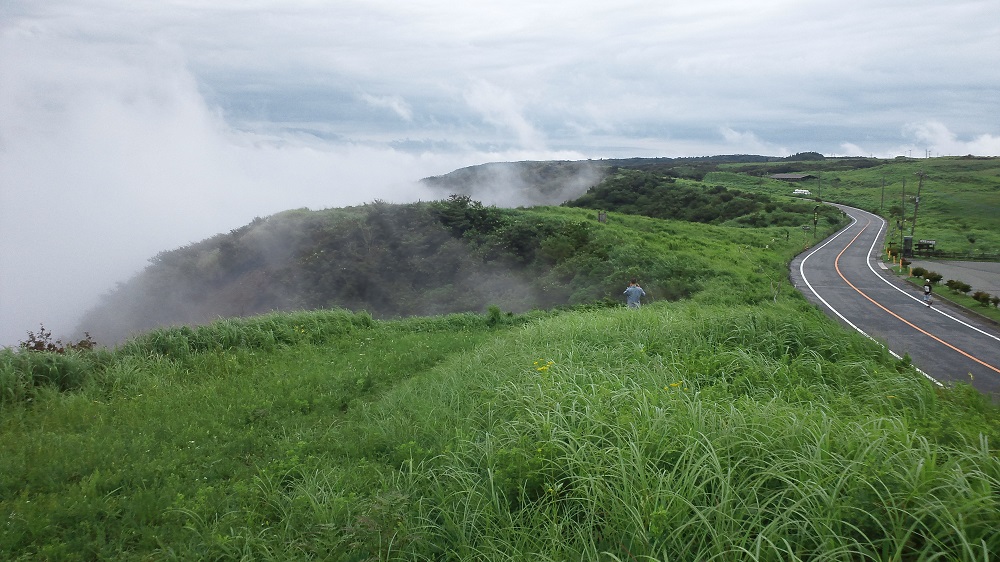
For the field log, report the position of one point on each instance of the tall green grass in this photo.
(691, 430)
(704, 435)
(184, 426)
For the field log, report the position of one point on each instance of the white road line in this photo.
(802, 272)
(871, 252)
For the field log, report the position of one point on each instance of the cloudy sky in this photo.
(128, 127)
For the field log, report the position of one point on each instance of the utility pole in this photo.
(881, 205)
(902, 214)
(819, 189)
(916, 202)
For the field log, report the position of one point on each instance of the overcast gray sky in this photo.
(128, 127)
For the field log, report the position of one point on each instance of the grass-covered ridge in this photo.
(653, 195)
(433, 258)
(959, 196)
(690, 429)
(458, 255)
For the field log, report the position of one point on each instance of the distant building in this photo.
(792, 177)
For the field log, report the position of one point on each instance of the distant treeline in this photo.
(652, 195)
(556, 182)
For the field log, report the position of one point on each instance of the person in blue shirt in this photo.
(633, 293)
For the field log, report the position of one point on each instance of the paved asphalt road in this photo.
(982, 276)
(845, 276)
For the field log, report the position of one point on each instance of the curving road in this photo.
(845, 276)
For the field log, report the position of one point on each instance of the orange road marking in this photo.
(836, 264)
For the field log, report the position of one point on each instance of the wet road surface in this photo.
(846, 277)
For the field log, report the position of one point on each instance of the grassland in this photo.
(738, 423)
(959, 196)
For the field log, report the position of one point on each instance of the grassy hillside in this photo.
(959, 195)
(441, 257)
(959, 198)
(736, 424)
(654, 195)
(458, 255)
(520, 183)
(691, 430)
(555, 182)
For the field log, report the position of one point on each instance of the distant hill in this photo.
(391, 260)
(512, 184)
(646, 193)
(452, 255)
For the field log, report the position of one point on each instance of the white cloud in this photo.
(500, 108)
(129, 128)
(851, 149)
(935, 137)
(747, 142)
(394, 103)
(109, 159)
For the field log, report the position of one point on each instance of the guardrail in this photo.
(942, 255)
(965, 256)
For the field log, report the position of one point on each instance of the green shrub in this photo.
(265, 332)
(958, 286)
(39, 361)
(982, 297)
(22, 373)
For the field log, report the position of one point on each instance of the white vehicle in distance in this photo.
(801, 192)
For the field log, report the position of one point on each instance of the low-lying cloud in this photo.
(109, 158)
(935, 138)
(130, 129)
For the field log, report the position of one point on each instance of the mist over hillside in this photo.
(456, 254)
(513, 184)
(391, 260)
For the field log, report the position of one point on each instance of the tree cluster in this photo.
(455, 255)
(654, 195)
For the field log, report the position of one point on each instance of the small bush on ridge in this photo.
(958, 286)
(41, 361)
